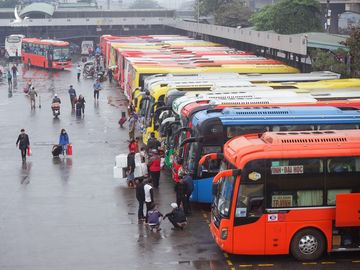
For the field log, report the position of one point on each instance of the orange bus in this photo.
(289, 192)
(46, 53)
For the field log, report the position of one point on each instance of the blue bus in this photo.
(212, 128)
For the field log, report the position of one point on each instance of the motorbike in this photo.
(56, 109)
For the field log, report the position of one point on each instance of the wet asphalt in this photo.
(70, 213)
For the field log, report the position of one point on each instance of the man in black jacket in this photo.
(176, 217)
(24, 143)
(140, 196)
(152, 143)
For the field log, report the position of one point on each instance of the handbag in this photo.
(29, 153)
(69, 150)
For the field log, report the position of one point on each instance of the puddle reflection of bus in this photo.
(49, 54)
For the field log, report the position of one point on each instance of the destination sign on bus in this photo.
(296, 169)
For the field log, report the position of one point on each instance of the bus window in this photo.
(342, 177)
(190, 159)
(343, 127)
(292, 128)
(251, 188)
(295, 183)
(210, 167)
(234, 131)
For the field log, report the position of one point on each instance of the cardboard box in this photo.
(336, 240)
(121, 161)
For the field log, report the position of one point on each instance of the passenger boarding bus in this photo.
(46, 53)
(13, 46)
(212, 128)
(289, 192)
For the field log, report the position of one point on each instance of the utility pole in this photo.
(328, 16)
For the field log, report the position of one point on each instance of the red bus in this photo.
(46, 53)
(289, 192)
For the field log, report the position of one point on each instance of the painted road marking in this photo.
(356, 261)
(265, 264)
(229, 262)
(245, 265)
(310, 263)
(328, 262)
(226, 255)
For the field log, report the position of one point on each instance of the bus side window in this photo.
(343, 176)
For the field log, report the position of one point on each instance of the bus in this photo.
(289, 192)
(13, 46)
(46, 53)
(137, 74)
(212, 128)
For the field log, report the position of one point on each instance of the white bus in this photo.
(13, 45)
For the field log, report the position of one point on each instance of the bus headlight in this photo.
(224, 233)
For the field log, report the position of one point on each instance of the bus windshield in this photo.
(222, 200)
(61, 53)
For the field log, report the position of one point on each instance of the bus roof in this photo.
(295, 144)
(225, 68)
(46, 41)
(278, 115)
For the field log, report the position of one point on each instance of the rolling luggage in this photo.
(56, 150)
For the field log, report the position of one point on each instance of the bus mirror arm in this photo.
(211, 156)
(191, 140)
(226, 173)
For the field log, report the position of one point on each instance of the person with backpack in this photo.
(24, 143)
(177, 217)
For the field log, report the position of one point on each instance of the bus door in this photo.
(50, 57)
(249, 229)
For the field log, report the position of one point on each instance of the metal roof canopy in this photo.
(38, 8)
(326, 41)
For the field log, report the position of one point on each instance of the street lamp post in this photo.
(328, 16)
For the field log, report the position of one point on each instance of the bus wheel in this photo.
(308, 245)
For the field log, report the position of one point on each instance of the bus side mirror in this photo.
(214, 189)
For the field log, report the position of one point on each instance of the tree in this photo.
(226, 12)
(233, 15)
(289, 17)
(353, 42)
(330, 60)
(145, 4)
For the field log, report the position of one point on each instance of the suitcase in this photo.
(56, 150)
(69, 150)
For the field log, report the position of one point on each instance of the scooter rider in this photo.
(55, 105)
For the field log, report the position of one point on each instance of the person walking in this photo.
(14, 71)
(32, 94)
(81, 101)
(154, 167)
(140, 196)
(64, 141)
(97, 88)
(24, 143)
(176, 217)
(9, 78)
(72, 94)
(152, 143)
(149, 196)
(78, 72)
(110, 74)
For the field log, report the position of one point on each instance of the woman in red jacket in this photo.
(155, 167)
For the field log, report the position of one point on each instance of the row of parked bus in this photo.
(276, 152)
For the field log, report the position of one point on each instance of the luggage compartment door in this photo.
(347, 210)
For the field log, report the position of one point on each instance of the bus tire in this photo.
(308, 245)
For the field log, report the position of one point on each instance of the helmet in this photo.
(55, 95)
(174, 205)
